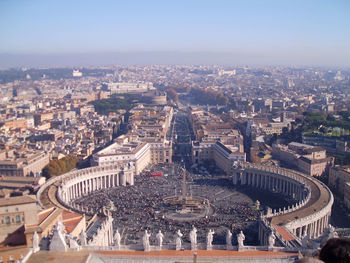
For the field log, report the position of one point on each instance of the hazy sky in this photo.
(306, 32)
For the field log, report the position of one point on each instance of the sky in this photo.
(286, 32)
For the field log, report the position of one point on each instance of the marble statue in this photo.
(240, 239)
(82, 238)
(117, 239)
(210, 239)
(160, 237)
(193, 238)
(145, 241)
(178, 240)
(228, 240)
(36, 247)
(271, 239)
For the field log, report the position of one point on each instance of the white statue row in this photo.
(178, 240)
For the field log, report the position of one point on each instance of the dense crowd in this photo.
(139, 207)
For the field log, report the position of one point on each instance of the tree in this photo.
(58, 167)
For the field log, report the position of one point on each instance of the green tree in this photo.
(58, 167)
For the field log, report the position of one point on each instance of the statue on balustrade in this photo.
(271, 239)
(193, 238)
(210, 239)
(145, 241)
(160, 238)
(240, 240)
(117, 239)
(178, 240)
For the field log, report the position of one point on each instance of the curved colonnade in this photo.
(78, 183)
(309, 216)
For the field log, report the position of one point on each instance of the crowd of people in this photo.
(141, 206)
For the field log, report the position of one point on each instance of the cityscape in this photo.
(196, 155)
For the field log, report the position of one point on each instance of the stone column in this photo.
(116, 180)
(73, 189)
(123, 179)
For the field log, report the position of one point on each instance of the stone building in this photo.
(15, 213)
(338, 178)
(23, 163)
(309, 159)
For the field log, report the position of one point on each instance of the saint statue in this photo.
(210, 239)
(117, 238)
(178, 240)
(193, 238)
(160, 237)
(272, 239)
(145, 241)
(240, 239)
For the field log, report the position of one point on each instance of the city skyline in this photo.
(61, 33)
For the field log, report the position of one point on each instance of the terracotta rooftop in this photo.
(284, 233)
(44, 214)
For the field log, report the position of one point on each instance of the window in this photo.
(7, 219)
(18, 219)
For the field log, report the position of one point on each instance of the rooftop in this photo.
(17, 200)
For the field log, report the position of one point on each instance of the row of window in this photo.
(8, 220)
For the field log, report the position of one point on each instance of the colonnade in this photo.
(314, 229)
(312, 197)
(83, 182)
(272, 182)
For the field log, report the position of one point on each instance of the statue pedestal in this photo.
(240, 248)
(271, 248)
